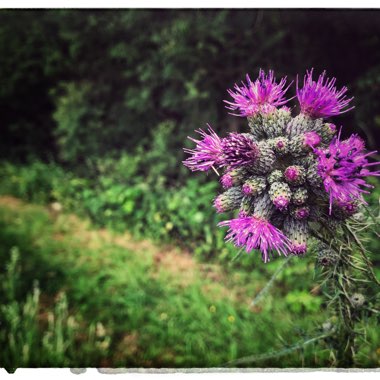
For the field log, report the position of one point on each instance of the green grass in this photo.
(139, 305)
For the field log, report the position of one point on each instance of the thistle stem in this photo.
(345, 333)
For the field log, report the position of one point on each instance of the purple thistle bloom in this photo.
(298, 248)
(342, 167)
(247, 189)
(291, 174)
(256, 233)
(332, 127)
(301, 212)
(239, 150)
(282, 174)
(294, 174)
(344, 209)
(218, 204)
(281, 202)
(321, 98)
(207, 153)
(312, 139)
(226, 180)
(261, 96)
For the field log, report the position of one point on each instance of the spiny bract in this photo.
(286, 171)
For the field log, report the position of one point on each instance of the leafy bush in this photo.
(79, 132)
(35, 182)
(131, 193)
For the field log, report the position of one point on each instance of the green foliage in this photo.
(123, 290)
(133, 193)
(80, 84)
(32, 336)
(35, 182)
(79, 131)
(118, 301)
(128, 300)
(299, 301)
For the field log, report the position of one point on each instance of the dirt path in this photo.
(178, 265)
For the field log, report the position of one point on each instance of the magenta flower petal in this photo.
(261, 96)
(207, 153)
(321, 98)
(256, 233)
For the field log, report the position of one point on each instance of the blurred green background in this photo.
(110, 254)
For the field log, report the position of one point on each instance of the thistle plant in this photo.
(293, 180)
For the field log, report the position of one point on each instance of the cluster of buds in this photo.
(285, 171)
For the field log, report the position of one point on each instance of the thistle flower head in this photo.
(233, 177)
(256, 233)
(287, 171)
(327, 257)
(321, 98)
(254, 185)
(261, 96)
(297, 232)
(300, 213)
(280, 194)
(227, 180)
(298, 248)
(295, 175)
(300, 196)
(228, 200)
(275, 176)
(357, 300)
(348, 207)
(343, 210)
(280, 145)
(343, 166)
(239, 149)
(207, 153)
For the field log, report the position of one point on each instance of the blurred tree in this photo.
(78, 84)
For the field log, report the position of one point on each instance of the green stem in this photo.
(345, 335)
(276, 354)
(269, 284)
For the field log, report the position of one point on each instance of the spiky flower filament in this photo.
(239, 150)
(260, 96)
(207, 153)
(256, 233)
(321, 98)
